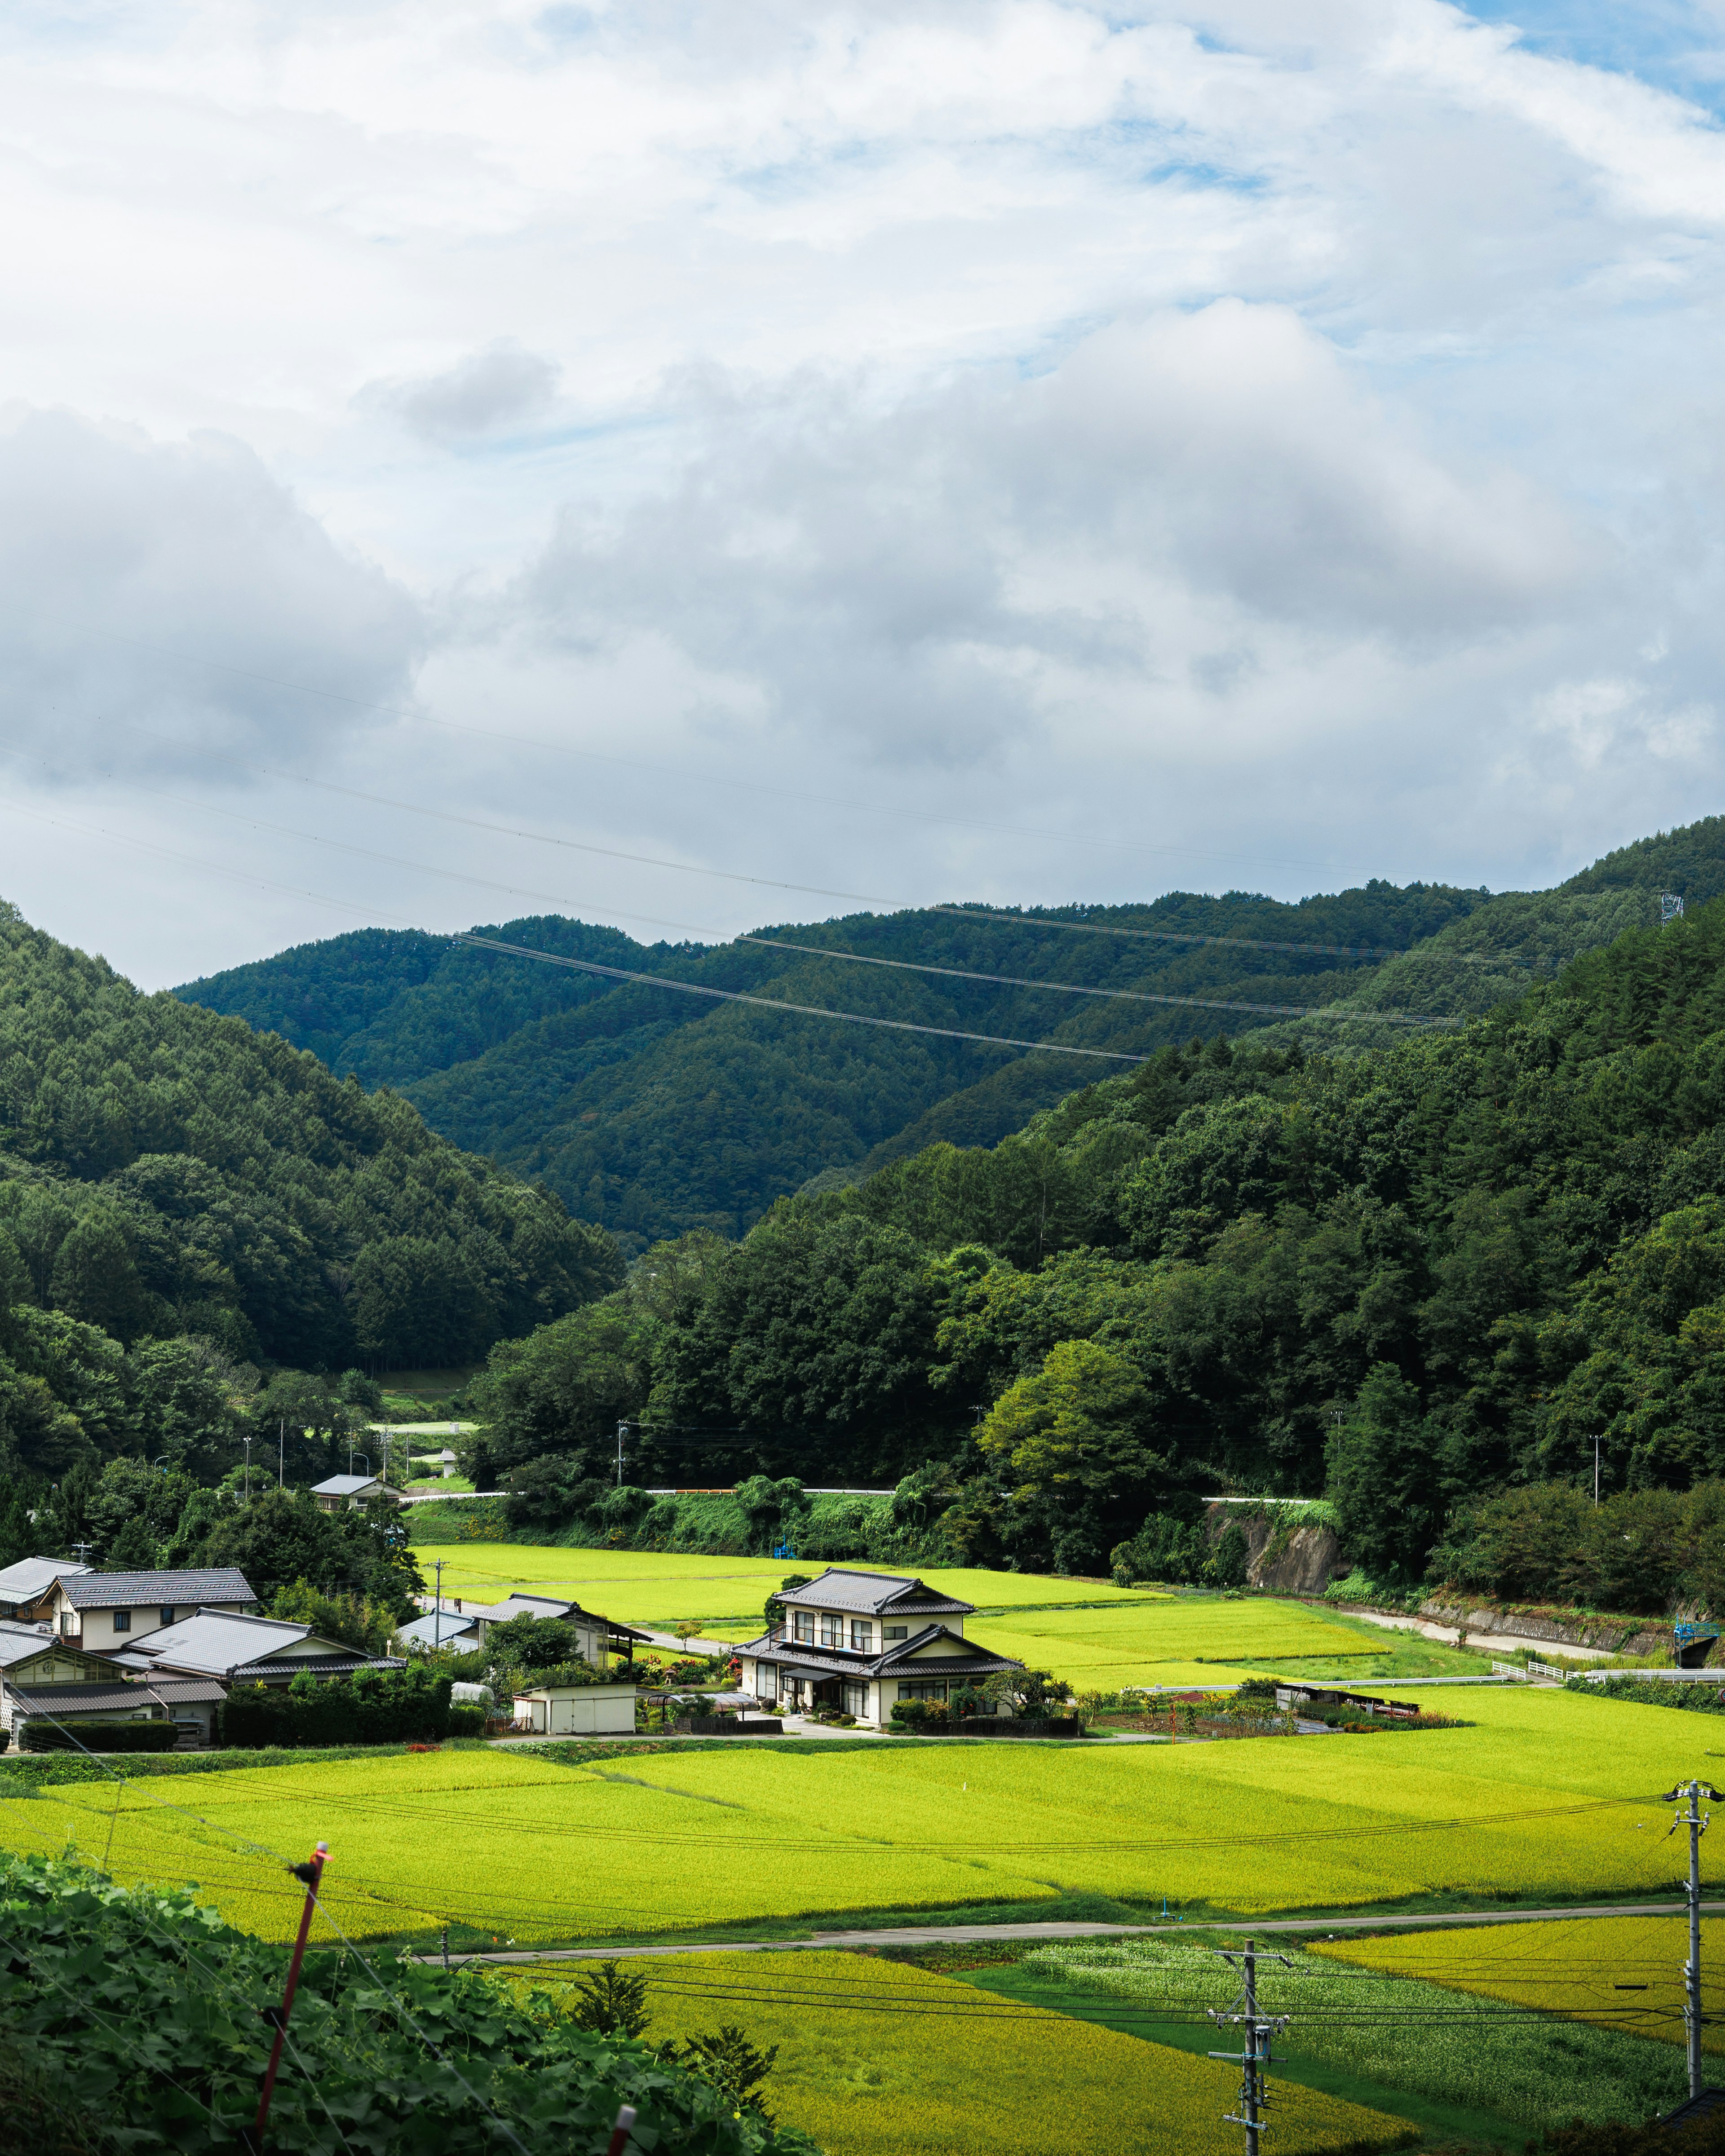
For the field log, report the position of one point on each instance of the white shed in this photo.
(577, 1711)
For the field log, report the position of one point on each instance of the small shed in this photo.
(601, 1709)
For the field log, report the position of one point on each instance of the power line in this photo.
(1128, 995)
(971, 913)
(714, 778)
(775, 1003)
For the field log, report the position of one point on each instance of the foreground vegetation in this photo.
(133, 2020)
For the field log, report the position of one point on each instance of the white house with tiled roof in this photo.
(861, 1641)
(106, 1611)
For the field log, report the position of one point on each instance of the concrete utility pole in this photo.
(1257, 2031)
(1596, 1467)
(246, 1440)
(281, 1454)
(1696, 1821)
(437, 1621)
(621, 1428)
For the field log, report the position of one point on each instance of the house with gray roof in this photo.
(105, 1611)
(238, 1649)
(24, 1584)
(340, 1491)
(861, 1641)
(461, 1625)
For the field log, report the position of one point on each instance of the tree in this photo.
(612, 2001)
(1073, 1443)
(352, 1619)
(1383, 1478)
(730, 2062)
(94, 1278)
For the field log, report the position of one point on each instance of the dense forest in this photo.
(1403, 1279)
(187, 1205)
(656, 1113)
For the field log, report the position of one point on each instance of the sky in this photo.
(694, 466)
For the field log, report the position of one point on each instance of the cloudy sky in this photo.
(1021, 451)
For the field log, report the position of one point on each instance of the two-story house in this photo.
(462, 1625)
(861, 1641)
(105, 1611)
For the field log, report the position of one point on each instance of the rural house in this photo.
(861, 1641)
(342, 1490)
(463, 1625)
(245, 1650)
(106, 1610)
(22, 1585)
(42, 1675)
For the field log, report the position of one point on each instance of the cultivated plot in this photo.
(875, 2059)
(1614, 1972)
(1551, 1795)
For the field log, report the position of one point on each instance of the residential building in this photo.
(41, 1674)
(245, 1649)
(107, 1610)
(342, 1492)
(22, 1585)
(861, 1641)
(461, 1625)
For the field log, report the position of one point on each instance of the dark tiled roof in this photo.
(320, 1666)
(899, 1660)
(841, 1586)
(123, 1698)
(137, 1590)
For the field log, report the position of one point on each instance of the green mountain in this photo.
(656, 1113)
(165, 1172)
(1401, 1279)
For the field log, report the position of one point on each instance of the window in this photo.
(804, 1622)
(165, 1613)
(68, 1626)
(856, 1699)
(862, 1634)
(122, 1620)
(922, 1690)
(898, 1632)
(832, 1630)
(766, 1681)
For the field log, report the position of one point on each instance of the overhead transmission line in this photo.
(774, 943)
(1126, 995)
(971, 913)
(716, 778)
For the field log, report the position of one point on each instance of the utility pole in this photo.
(1596, 1467)
(281, 1454)
(437, 1621)
(1257, 2031)
(1697, 1822)
(621, 1428)
(246, 1440)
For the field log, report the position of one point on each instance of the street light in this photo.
(246, 1440)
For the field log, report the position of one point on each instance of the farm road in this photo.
(935, 1935)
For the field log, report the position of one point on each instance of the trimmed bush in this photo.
(373, 1707)
(40, 1736)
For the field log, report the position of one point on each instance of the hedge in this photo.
(370, 1707)
(42, 1736)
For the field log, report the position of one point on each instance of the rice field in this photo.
(1448, 2044)
(1584, 1968)
(878, 2059)
(1549, 1796)
(1097, 1636)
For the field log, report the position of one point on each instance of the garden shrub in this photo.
(370, 1707)
(40, 1736)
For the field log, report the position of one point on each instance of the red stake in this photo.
(620, 2132)
(277, 2016)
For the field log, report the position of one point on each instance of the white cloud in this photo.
(1278, 437)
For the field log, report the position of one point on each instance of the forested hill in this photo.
(1400, 1279)
(166, 1172)
(656, 1113)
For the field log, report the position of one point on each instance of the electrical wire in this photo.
(711, 779)
(1126, 995)
(799, 1010)
(972, 913)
